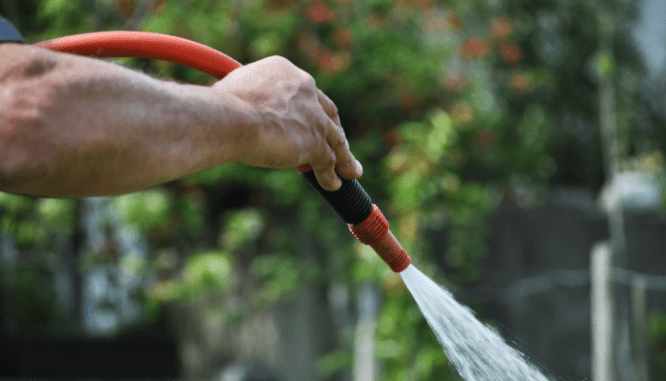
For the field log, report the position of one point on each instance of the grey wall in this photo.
(535, 280)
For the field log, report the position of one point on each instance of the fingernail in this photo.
(359, 167)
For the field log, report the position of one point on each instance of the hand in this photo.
(300, 123)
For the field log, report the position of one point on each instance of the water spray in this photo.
(476, 351)
(350, 202)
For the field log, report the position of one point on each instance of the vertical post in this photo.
(364, 348)
(602, 314)
(621, 346)
(639, 318)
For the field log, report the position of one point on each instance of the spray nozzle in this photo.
(352, 203)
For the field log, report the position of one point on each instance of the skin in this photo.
(74, 126)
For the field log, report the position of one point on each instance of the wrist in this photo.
(239, 121)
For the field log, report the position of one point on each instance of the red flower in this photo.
(510, 53)
(474, 48)
(319, 12)
(333, 63)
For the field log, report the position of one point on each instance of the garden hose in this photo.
(350, 202)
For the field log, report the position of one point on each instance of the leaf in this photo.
(440, 136)
(210, 270)
(406, 190)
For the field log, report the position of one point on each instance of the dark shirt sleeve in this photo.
(8, 33)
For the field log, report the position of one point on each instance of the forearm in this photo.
(94, 128)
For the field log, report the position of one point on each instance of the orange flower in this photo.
(501, 27)
(474, 48)
(462, 113)
(455, 22)
(453, 82)
(343, 39)
(510, 53)
(319, 12)
(522, 83)
(334, 63)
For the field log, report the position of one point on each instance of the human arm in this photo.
(74, 126)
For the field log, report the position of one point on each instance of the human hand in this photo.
(300, 123)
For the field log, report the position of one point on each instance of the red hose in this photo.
(146, 45)
(373, 231)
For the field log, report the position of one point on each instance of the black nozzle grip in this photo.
(350, 202)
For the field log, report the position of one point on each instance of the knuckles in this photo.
(340, 143)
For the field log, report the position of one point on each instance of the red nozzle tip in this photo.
(304, 168)
(374, 231)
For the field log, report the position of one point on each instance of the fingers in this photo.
(324, 169)
(345, 164)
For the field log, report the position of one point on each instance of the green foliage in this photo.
(66, 17)
(334, 362)
(35, 222)
(604, 64)
(146, 210)
(279, 275)
(657, 334)
(59, 213)
(204, 275)
(207, 272)
(241, 227)
(16, 218)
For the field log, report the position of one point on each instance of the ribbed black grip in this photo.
(350, 202)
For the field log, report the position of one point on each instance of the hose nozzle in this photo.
(365, 220)
(374, 231)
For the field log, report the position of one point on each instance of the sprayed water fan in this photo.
(477, 352)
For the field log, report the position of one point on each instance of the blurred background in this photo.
(507, 141)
